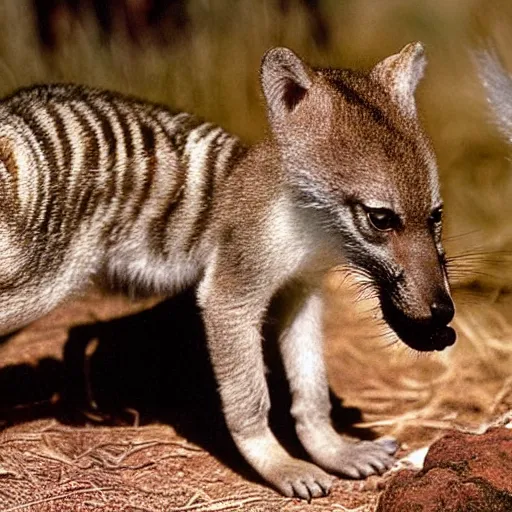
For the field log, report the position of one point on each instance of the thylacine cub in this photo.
(99, 186)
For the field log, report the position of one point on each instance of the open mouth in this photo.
(423, 336)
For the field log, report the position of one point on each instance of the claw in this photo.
(352, 472)
(390, 445)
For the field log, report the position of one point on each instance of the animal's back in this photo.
(100, 183)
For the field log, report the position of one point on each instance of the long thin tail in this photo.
(498, 85)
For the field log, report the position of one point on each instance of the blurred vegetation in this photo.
(212, 70)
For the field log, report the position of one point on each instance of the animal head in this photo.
(353, 150)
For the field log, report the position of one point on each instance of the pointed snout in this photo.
(442, 310)
(426, 332)
(418, 306)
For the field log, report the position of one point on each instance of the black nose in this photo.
(442, 311)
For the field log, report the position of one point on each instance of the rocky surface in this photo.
(462, 472)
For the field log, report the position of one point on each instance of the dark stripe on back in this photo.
(110, 143)
(65, 171)
(86, 204)
(46, 144)
(98, 106)
(178, 137)
(150, 163)
(203, 214)
(39, 176)
(238, 151)
(86, 178)
(65, 143)
(128, 174)
(148, 137)
(91, 153)
(158, 227)
(124, 122)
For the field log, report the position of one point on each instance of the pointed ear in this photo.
(285, 80)
(400, 74)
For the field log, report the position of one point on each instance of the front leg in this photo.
(302, 350)
(233, 324)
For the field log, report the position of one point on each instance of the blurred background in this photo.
(203, 56)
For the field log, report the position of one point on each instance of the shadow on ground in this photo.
(148, 367)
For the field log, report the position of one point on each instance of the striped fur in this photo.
(104, 186)
(97, 186)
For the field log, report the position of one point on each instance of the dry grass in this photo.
(416, 397)
(215, 73)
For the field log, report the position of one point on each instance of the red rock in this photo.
(462, 473)
(487, 456)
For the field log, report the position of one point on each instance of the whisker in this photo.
(458, 236)
(478, 254)
(470, 272)
(468, 262)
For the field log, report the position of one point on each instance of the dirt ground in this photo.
(109, 404)
(126, 419)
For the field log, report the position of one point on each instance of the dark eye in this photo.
(382, 219)
(436, 216)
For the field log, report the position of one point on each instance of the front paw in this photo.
(290, 476)
(359, 460)
(294, 477)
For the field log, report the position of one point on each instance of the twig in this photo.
(56, 498)
(222, 504)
